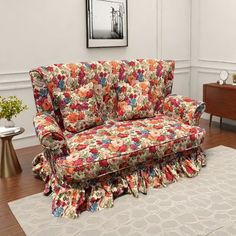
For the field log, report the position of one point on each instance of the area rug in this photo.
(204, 205)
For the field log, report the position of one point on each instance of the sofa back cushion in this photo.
(105, 76)
(79, 108)
(62, 77)
(134, 100)
(43, 101)
(159, 73)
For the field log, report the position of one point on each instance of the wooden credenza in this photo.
(220, 100)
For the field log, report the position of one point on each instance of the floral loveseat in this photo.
(110, 128)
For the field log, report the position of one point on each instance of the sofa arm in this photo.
(50, 134)
(183, 108)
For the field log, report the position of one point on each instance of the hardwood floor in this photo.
(215, 136)
(25, 184)
(17, 187)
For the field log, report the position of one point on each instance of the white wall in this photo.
(35, 33)
(213, 42)
(173, 38)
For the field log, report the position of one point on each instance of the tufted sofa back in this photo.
(105, 75)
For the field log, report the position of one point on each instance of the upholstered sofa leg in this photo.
(42, 170)
(70, 200)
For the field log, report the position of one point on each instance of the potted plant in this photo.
(9, 107)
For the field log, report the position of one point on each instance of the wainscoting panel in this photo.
(181, 83)
(202, 77)
(19, 84)
(173, 40)
(216, 36)
(212, 44)
(176, 23)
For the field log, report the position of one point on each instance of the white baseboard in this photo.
(24, 142)
(206, 116)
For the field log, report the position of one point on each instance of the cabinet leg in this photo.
(210, 120)
(220, 122)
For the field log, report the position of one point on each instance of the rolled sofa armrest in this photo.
(50, 134)
(185, 109)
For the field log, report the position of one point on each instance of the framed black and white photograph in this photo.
(107, 23)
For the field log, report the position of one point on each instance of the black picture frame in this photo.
(107, 23)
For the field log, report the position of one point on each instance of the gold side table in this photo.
(9, 164)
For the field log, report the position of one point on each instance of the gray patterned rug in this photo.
(204, 205)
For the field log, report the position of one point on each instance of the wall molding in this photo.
(159, 37)
(19, 87)
(15, 84)
(25, 136)
(201, 58)
(26, 73)
(182, 67)
(182, 72)
(214, 68)
(207, 72)
(13, 81)
(159, 28)
(182, 60)
(14, 73)
(217, 61)
(27, 141)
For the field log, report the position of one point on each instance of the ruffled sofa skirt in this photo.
(70, 199)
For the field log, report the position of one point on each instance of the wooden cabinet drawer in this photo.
(220, 100)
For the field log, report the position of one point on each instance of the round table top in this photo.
(13, 133)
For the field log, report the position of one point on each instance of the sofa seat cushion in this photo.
(117, 145)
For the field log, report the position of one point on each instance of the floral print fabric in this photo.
(70, 201)
(50, 135)
(88, 170)
(185, 109)
(116, 145)
(105, 75)
(157, 73)
(133, 101)
(79, 108)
